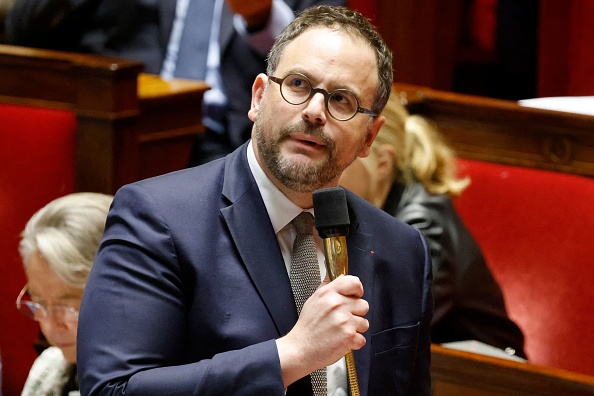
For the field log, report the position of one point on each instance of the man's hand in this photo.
(255, 12)
(331, 324)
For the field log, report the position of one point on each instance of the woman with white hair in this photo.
(58, 247)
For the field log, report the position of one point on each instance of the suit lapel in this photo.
(253, 235)
(360, 253)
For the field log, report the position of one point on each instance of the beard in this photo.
(297, 176)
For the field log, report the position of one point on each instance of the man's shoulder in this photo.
(190, 180)
(374, 220)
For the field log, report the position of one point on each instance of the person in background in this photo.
(5, 6)
(245, 32)
(411, 175)
(223, 42)
(193, 288)
(58, 246)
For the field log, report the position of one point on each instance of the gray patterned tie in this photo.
(305, 279)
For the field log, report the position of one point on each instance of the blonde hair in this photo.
(420, 151)
(66, 232)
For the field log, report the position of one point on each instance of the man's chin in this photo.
(305, 176)
(304, 163)
(300, 164)
(303, 152)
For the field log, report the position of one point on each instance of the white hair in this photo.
(66, 233)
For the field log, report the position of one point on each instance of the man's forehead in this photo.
(320, 34)
(331, 56)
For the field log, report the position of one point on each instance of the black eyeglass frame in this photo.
(327, 95)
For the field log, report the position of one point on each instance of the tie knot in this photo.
(303, 223)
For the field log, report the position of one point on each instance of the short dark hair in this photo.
(354, 24)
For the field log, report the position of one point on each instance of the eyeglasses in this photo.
(38, 312)
(342, 104)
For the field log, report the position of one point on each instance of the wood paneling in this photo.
(503, 131)
(423, 35)
(130, 125)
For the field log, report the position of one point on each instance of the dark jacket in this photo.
(469, 304)
(189, 292)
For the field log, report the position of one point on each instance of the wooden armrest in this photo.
(130, 125)
(57, 79)
(460, 373)
(503, 131)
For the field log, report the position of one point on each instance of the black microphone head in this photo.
(331, 212)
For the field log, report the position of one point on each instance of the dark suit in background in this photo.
(132, 29)
(140, 30)
(469, 304)
(199, 292)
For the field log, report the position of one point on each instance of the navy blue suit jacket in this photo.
(189, 290)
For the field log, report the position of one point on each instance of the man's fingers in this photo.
(348, 285)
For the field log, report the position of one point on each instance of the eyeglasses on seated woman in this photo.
(57, 248)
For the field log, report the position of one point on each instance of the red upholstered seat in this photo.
(37, 149)
(536, 229)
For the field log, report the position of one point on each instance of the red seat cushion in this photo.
(536, 229)
(37, 148)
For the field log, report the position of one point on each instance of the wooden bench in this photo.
(459, 373)
(529, 207)
(129, 125)
(72, 122)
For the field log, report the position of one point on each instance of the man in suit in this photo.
(190, 292)
(142, 30)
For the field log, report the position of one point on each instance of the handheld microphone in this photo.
(332, 222)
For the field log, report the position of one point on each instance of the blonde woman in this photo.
(58, 247)
(411, 175)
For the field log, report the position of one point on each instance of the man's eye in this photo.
(343, 99)
(338, 98)
(297, 82)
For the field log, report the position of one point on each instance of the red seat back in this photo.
(37, 157)
(536, 229)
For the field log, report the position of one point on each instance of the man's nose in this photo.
(315, 110)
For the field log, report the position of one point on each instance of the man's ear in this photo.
(258, 89)
(372, 131)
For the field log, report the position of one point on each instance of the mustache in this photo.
(307, 129)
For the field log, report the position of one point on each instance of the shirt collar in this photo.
(280, 208)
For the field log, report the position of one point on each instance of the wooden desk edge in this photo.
(151, 86)
(451, 365)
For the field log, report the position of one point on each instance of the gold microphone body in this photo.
(337, 263)
(332, 223)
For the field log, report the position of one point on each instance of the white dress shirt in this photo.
(282, 211)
